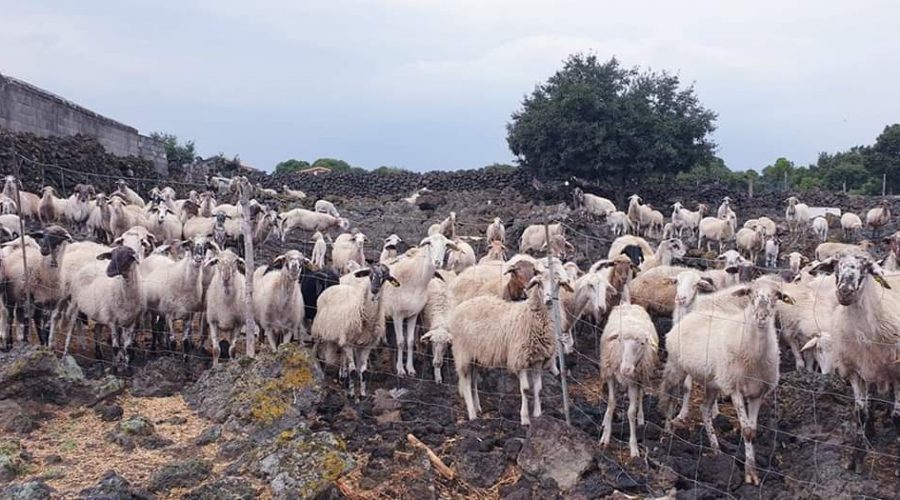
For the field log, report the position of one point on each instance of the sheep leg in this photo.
(537, 382)
(640, 407)
(55, 316)
(633, 398)
(270, 337)
(608, 415)
(170, 336)
(799, 363)
(204, 331)
(410, 344)
(476, 377)
(98, 351)
(187, 334)
(398, 333)
(38, 318)
(214, 343)
(861, 410)
(351, 368)
(5, 340)
(748, 431)
(465, 388)
(685, 401)
(709, 400)
(363, 368)
(895, 418)
(437, 361)
(10, 314)
(127, 342)
(523, 391)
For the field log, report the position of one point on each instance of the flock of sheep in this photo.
(166, 260)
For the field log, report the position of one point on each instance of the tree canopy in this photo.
(176, 152)
(600, 121)
(292, 165)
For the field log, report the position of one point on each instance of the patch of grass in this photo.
(68, 446)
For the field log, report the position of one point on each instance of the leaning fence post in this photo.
(242, 185)
(29, 299)
(557, 325)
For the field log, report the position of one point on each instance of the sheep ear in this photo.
(438, 276)
(705, 285)
(241, 266)
(104, 256)
(813, 342)
(612, 336)
(36, 234)
(826, 266)
(211, 262)
(452, 246)
(787, 299)
(392, 280)
(566, 286)
(362, 273)
(310, 265)
(534, 281)
(277, 262)
(741, 292)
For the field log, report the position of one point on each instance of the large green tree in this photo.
(600, 121)
(176, 152)
(292, 165)
(883, 157)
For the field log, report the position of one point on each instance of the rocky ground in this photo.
(280, 427)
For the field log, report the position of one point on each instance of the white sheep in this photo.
(639, 215)
(277, 300)
(98, 221)
(534, 239)
(326, 207)
(207, 204)
(123, 217)
(8, 206)
(714, 229)
(657, 220)
(435, 319)
(129, 194)
(496, 231)
(796, 260)
(506, 280)
(773, 247)
(724, 208)
(732, 353)
(51, 208)
(347, 247)
(496, 253)
(820, 228)
(403, 304)
(109, 294)
(77, 206)
(320, 248)
(488, 332)
(390, 249)
(851, 225)
(163, 223)
(891, 262)
(618, 222)
(292, 194)
(768, 225)
(730, 274)
(689, 284)
(351, 318)
(808, 319)
(308, 221)
(27, 203)
(11, 224)
(796, 214)
(830, 249)
(683, 218)
(621, 245)
(225, 301)
(878, 217)
(593, 204)
(865, 333)
(666, 252)
(751, 241)
(462, 258)
(628, 350)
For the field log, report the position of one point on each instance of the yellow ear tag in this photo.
(654, 344)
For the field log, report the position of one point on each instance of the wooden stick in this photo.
(436, 461)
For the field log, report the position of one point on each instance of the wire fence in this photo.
(586, 383)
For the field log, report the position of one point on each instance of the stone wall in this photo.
(26, 108)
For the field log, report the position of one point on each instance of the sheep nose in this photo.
(628, 370)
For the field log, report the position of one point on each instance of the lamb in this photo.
(27, 203)
(43, 280)
(827, 250)
(435, 318)
(308, 221)
(667, 251)
(618, 223)
(683, 218)
(346, 248)
(403, 304)
(851, 225)
(796, 215)
(8, 206)
(130, 196)
(219, 184)
(292, 194)
(878, 217)
(820, 227)
(351, 317)
(504, 280)
(488, 332)
(326, 207)
(123, 217)
(496, 253)
(51, 208)
(773, 247)
(733, 353)
(638, 215)
(224, 302)
(98, 222)
(496, 231)
(277, 299)
(724, 208)
(628, 356)
(109, 294)
(533, 238)
(77, 207)
(795, 261)
(320, 248)
(391, 248)
(865, 334)
(768, 225)
(656, 223)
(731, 272)
(461, 259)
(751, 242)
(593, 204)
(713, 229)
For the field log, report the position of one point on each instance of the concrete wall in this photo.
(26, 108)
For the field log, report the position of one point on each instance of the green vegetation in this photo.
(599, 120)
(292, 165)
(176, 152)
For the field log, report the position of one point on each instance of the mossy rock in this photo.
(302, 462)
(14, 460)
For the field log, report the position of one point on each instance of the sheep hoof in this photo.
(401, 372)
(750, 477)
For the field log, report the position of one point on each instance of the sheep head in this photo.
(850, 273)
(121, 260)
(437, 246)
(51, 240)
(378, 274)
(763, 298)
(635, 345)
(688, 284)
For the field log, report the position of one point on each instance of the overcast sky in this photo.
(430, 84)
